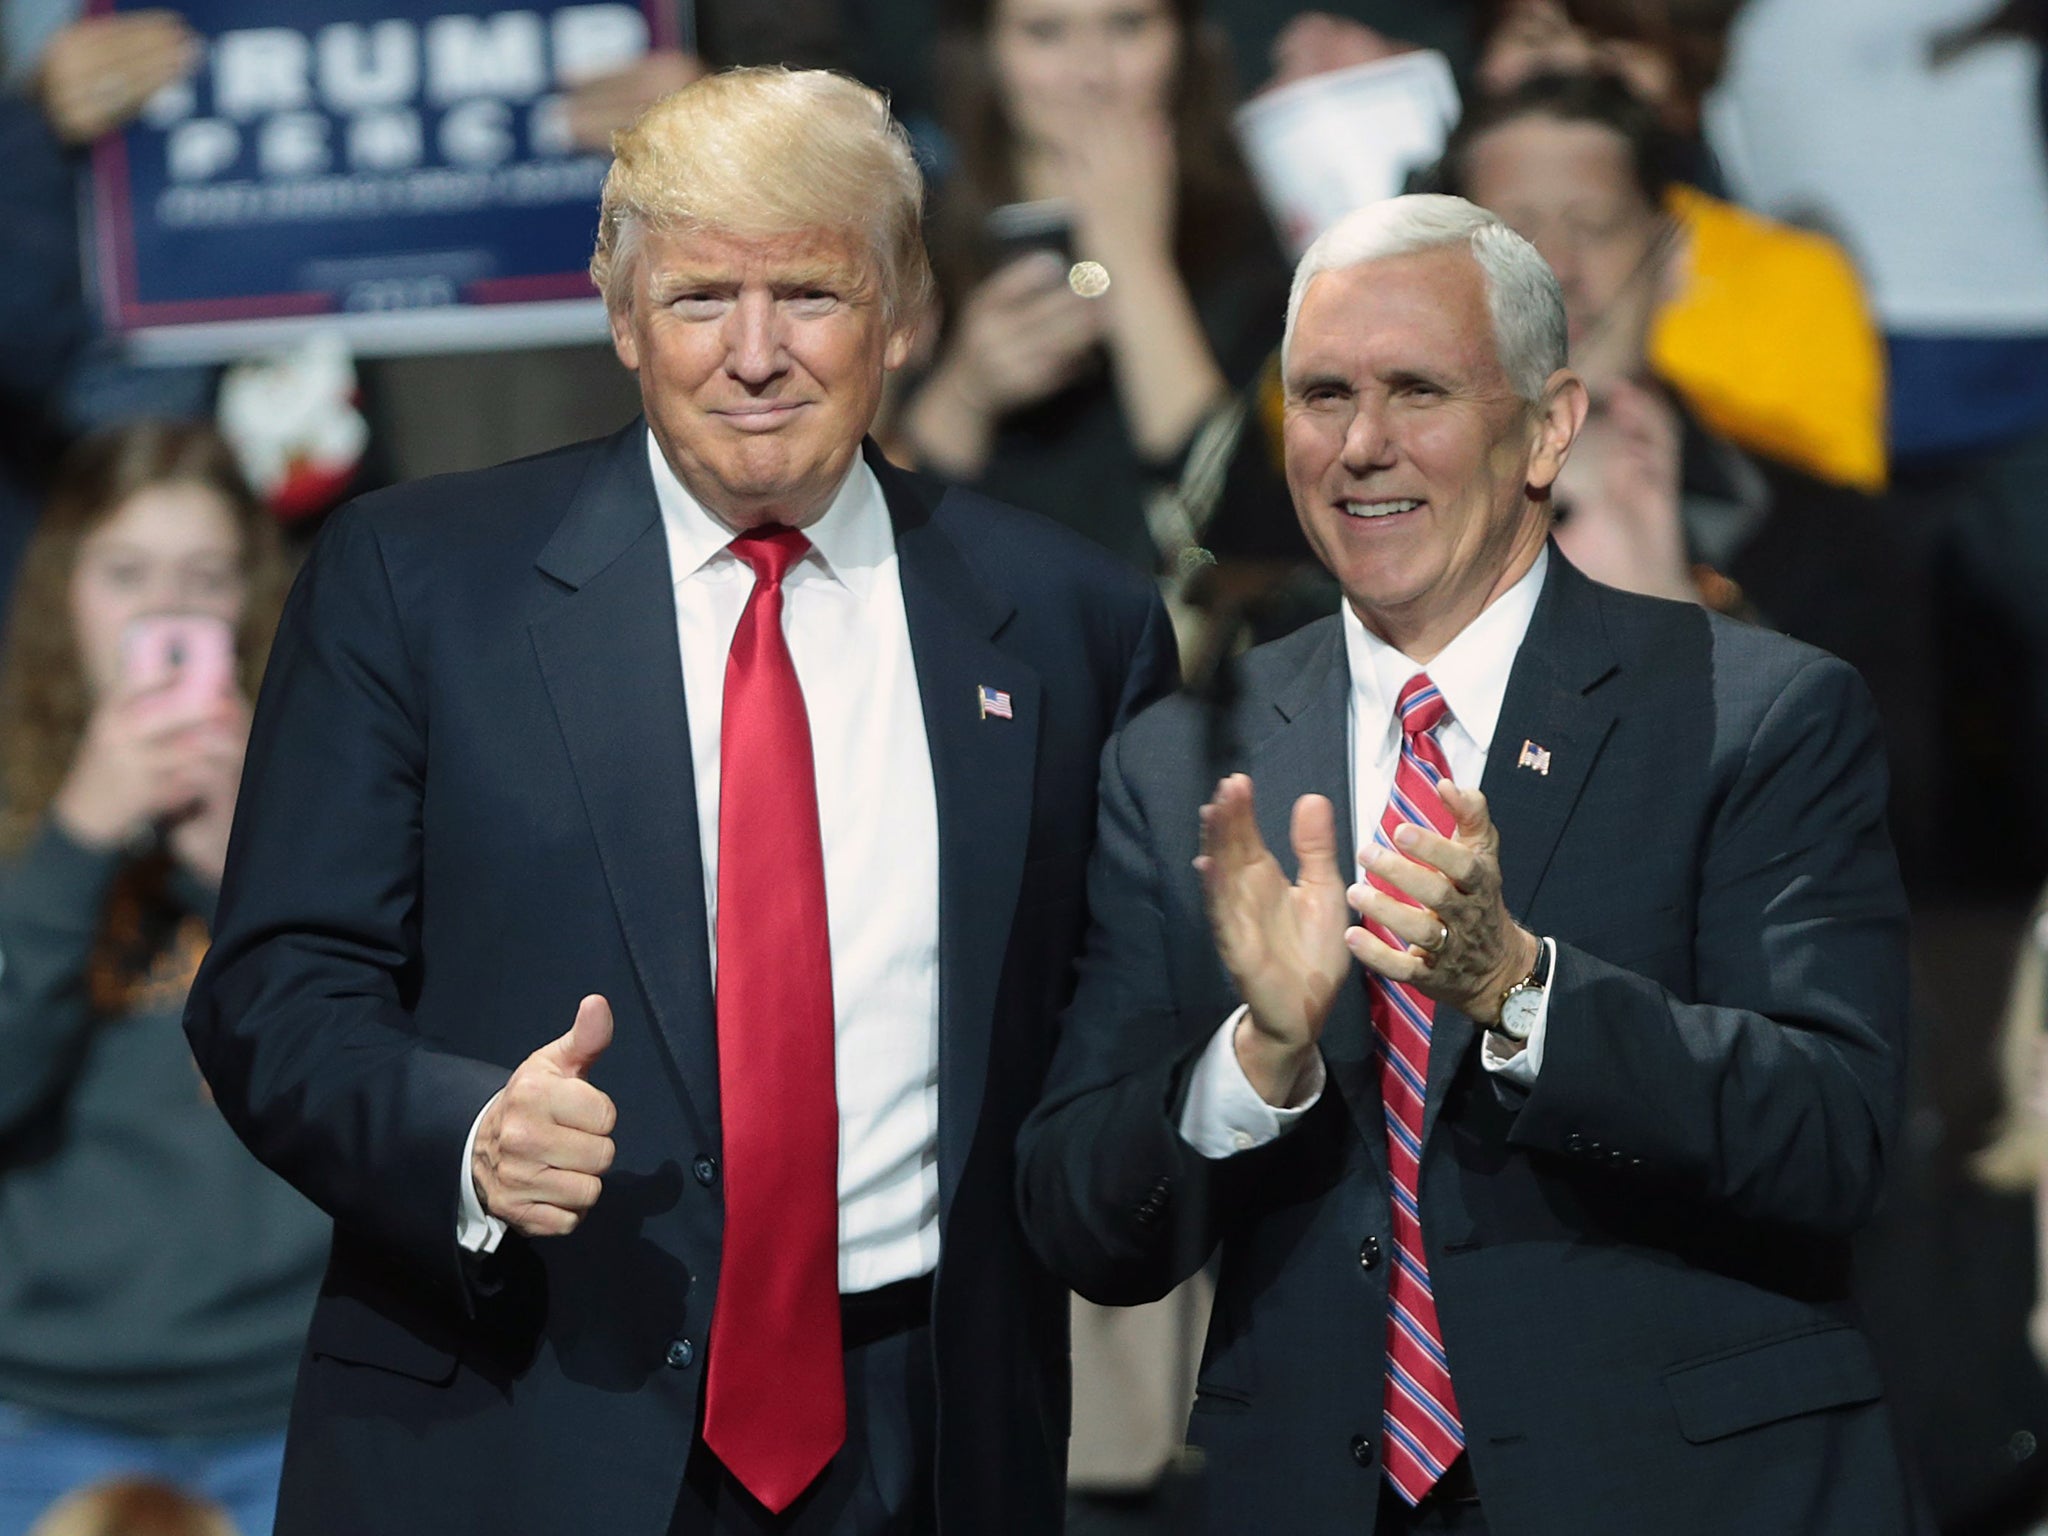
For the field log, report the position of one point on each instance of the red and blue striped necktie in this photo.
(1420, 1416)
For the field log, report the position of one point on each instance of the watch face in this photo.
(1518, 1012)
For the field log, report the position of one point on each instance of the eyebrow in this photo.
(1400, 378)
(1306, 382)
(684, 280)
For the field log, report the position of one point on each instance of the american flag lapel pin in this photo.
(1534, 757)
(995, 703)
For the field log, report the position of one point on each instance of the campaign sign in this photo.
(394, 169)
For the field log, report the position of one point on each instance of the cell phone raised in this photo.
(179, 663)
(1017, 229)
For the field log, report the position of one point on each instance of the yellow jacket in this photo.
(1769, 341)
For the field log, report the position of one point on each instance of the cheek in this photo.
(1147, 75)
(99, 618)
(1026, 77)
(1308, 448)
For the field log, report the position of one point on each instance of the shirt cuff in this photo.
(1499, 1056)
(1224, 1114)
(475, 1228)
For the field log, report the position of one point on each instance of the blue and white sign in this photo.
(398, 171)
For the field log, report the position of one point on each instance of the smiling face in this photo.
(1416, 470)
(761, 363)
(172, 548)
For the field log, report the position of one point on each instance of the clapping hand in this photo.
(1460, 946)
(1283, 943)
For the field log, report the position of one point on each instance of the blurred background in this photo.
(1804, 249)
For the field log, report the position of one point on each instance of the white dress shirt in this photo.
(878, 814)
(1224, 1113)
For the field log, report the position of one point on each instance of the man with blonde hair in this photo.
(659, 869)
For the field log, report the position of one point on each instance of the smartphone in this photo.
(180, 662)
(1018, 229)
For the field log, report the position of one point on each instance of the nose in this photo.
(754, 344)
(1090, 65)
(1367, 442)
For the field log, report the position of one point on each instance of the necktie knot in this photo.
(1421, 706)
(770, 551)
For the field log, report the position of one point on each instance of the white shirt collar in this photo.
(1471, 672)
(848, 543)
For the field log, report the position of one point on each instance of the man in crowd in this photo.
(1532, 1188)
(657, 1031)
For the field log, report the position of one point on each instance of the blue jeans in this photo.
(43, 1458)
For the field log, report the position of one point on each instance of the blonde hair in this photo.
(133, 1507)
(2017, 1157)
(765, 152)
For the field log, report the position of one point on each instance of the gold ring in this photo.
(1443, 937)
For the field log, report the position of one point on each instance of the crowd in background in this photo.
(1804, 251)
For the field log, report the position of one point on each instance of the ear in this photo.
(1559, 416)
(624, 342)
(896, 350)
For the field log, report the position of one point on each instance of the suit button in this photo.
(1575, 1142)
(1369, 1253)
(681, 1354)
(1361, 1450)
(706, 1169)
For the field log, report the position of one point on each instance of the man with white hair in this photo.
(660, 869)
(1532, 1141)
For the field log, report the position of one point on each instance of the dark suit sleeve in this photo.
(301, 1016)
(1154, 670)
(1779, 1097)
(1114, 1201)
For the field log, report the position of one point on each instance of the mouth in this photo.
(1374, 511)
(760, 415)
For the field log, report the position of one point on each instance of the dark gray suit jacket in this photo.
(1640, 1266)
(468, 803)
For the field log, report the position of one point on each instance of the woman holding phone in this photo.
(1077, 364)
(154, 1278)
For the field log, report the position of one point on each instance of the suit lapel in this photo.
(607, 654)
(1308, 752)
(983, 769)
(1551, 705)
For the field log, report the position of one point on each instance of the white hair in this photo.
(1522, 293)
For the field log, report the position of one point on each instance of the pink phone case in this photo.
(182, 661)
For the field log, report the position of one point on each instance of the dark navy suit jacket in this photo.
(1640, 1266)
(469, 802)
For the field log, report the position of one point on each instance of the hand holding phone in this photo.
(178, 663)
(1023, 333)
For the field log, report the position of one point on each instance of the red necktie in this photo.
(775, 1409)
(1420, 1415)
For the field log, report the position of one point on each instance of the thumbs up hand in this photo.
(546, 1138)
